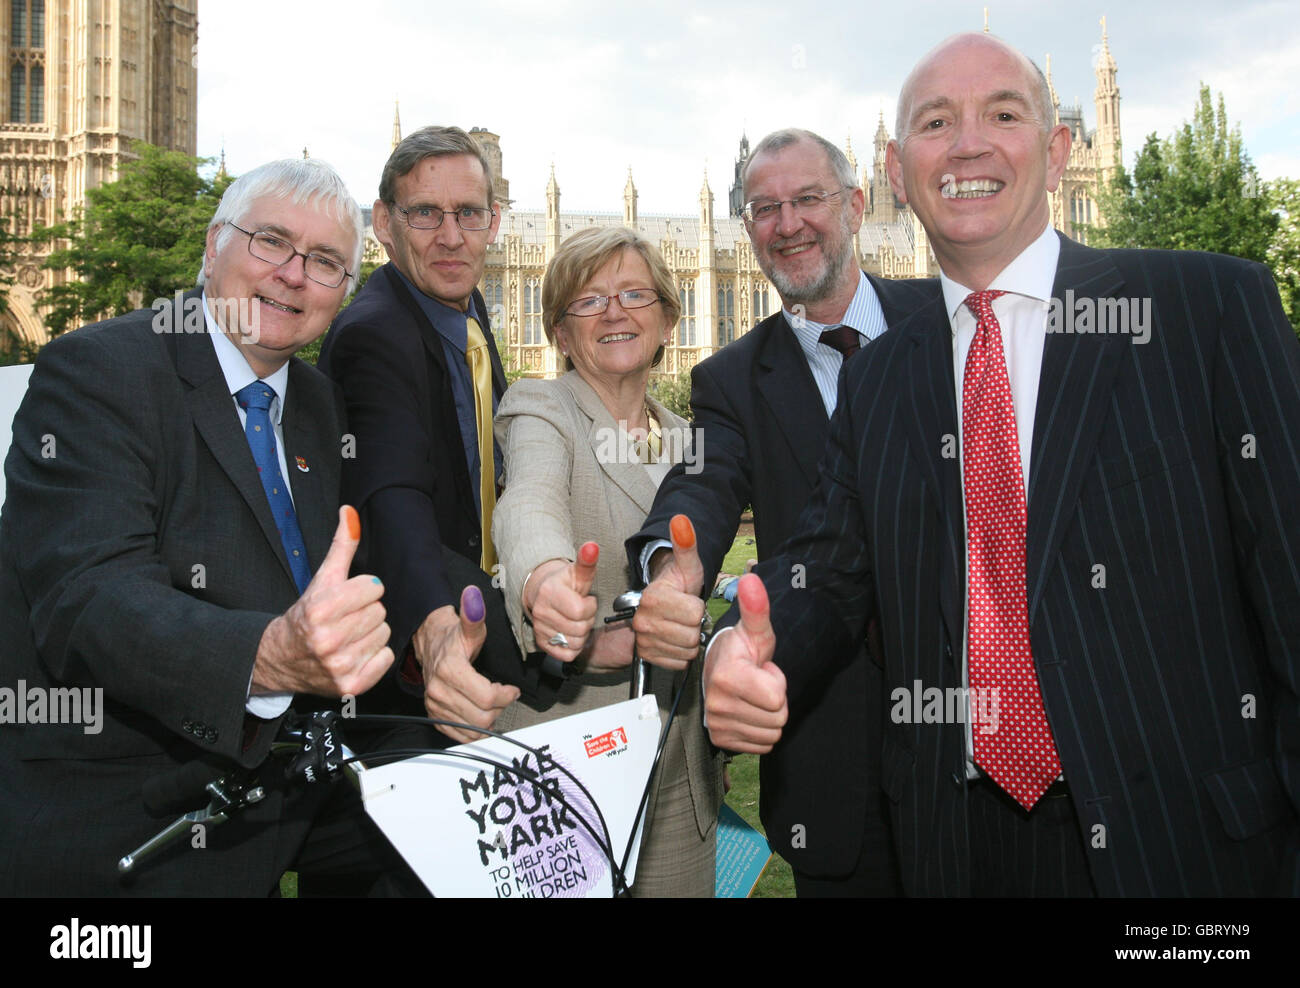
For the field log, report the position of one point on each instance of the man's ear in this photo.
(894, 168)
(210, 249)
(380, 218)
(858, 208)
(1058, 155)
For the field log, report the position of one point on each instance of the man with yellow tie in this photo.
(418, 365)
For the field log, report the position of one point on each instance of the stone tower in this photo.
(81, 82)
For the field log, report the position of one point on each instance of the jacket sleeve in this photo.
(88, 481)
(712, 487)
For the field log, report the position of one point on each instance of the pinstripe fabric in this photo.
(1164, 595)
(761, 428)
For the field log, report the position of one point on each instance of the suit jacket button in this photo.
(210, 735)
(473, 541)
(187, 726)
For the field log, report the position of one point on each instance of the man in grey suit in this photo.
(165, 552)
(1062, 489)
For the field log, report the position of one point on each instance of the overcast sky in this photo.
(668, 87)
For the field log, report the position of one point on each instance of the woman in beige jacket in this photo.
(584, 455)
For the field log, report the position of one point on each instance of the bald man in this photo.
(1062, 489)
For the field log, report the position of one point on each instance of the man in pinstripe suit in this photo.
(761, 407)
(1159, 595)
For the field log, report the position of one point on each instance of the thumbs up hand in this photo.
(668, 621)
(557, 598)
(744, 691)
(334, 639)
(446, 645)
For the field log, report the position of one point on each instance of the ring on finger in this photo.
(559, 639)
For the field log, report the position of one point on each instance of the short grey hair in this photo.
(779, 139)
(1043, 92)
(429, 142)
(300, 180)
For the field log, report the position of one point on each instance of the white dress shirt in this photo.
(239, 375)
(1022, 316)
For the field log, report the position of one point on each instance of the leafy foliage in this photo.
(674, 391)
(136, 239)
(1284, 252)
(1196, 190)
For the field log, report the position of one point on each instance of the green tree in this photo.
(311, 352)
(1196, 190)
(674, 391)
(1284, 252)
(136, 239)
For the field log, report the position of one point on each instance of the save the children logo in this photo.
(610, 743)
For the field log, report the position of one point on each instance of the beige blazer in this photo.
(567, 481)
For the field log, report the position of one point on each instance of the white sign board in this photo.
(504, 830)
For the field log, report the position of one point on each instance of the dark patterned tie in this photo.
(1020, 753)
(845, 339)
(256, 400)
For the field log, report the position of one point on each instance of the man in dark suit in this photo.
(761, 407)
(1091, 615)
(418, 365)
(165, 552)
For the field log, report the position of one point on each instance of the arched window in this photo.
(686, 327)
(726, 316)
(533, 334)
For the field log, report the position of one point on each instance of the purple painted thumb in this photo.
(471, 604)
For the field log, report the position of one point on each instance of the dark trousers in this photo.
(1038, 853)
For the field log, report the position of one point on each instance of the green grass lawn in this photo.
(777, 881)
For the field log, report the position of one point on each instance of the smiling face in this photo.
(807, 255)
(445, 263)
(618, 342)
(271, 311)
(975, 160)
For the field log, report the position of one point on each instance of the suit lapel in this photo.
(1078, 375)
(311, 460)
(787, 386)
(213, 411)
(932, 425)
(604, 438)
(432, 340)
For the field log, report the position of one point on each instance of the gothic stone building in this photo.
(82, 80)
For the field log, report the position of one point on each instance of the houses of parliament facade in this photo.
(84, 78)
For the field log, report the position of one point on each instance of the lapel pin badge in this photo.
(302, 464)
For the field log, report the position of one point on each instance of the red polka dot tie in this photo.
(1014, 746)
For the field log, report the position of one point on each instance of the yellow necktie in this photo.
(480, 370)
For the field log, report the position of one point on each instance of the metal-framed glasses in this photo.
(594, 305)
(320, 268)
(762, 210)
(469, 218)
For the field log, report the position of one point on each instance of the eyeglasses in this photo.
(764, 210)
(470, 218)
(318, 267)
(594, 305)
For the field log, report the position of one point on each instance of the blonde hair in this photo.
(585, 253)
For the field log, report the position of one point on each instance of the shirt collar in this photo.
(235, 368)
(1030, 274)
(858, 315)
(449, 322)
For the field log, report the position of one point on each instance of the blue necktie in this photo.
(256, 400)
